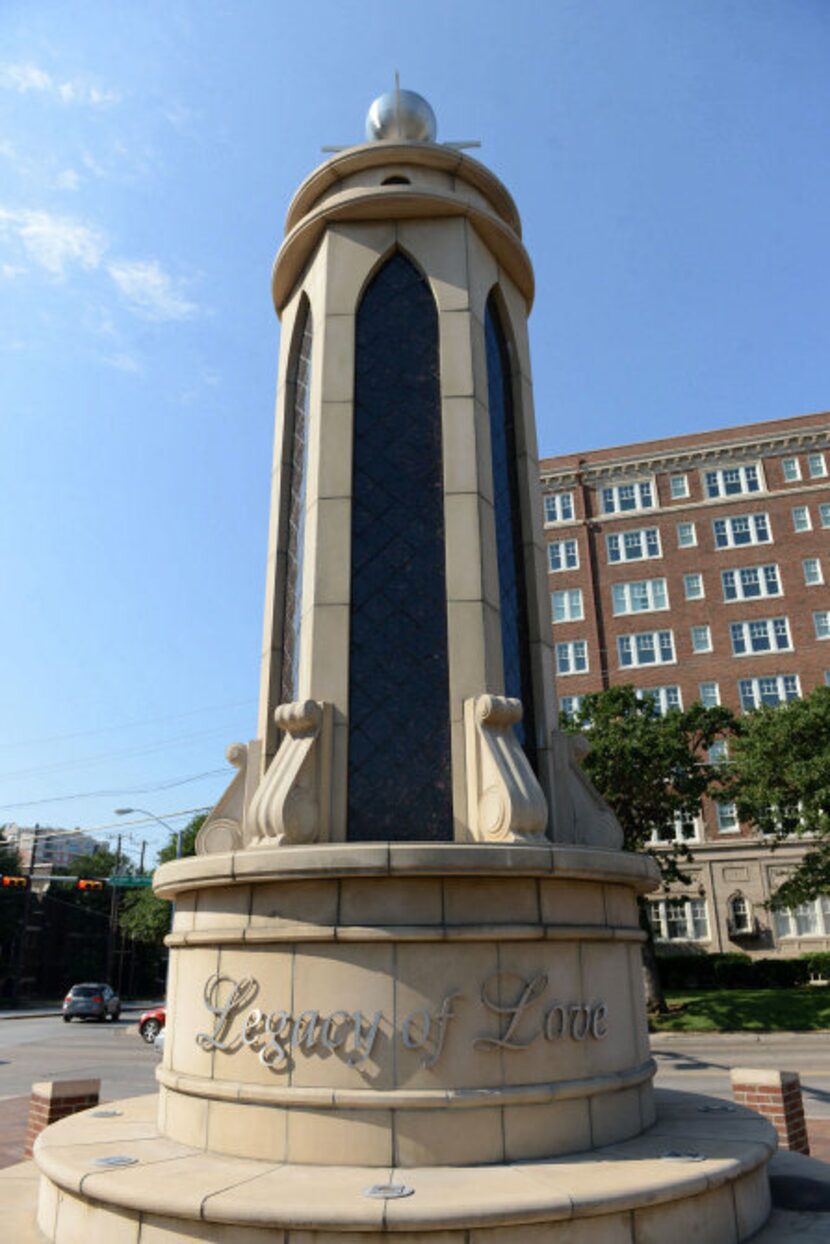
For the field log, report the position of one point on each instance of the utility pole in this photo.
(113, 917)
(141, 861)
(20, 958)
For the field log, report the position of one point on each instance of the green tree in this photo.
(11, 908)
(145, 917)
(651, 769)
(781, 767)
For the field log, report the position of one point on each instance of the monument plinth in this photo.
(405, 991)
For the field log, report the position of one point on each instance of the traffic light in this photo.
(18, 883)
(88, 883)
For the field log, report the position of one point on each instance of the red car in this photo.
(151, 1023)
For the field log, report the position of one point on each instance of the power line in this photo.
(127, 725)
(122, 753)
(125, 790)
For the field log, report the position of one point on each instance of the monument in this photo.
(405, 996)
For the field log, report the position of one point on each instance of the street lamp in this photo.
(153, 817)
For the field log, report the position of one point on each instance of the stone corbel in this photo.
(505, 802)
(580, 814)
(224, 829)
(292, 803)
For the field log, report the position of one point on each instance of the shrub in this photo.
(818, 963)
(734, 971)
(781, 973)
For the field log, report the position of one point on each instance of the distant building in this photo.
(58, 847)
(697, 568)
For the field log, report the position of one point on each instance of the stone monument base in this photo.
(700, 1172)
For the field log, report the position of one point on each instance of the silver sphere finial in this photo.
(401, 115)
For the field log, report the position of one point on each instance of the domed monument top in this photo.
(402, 116)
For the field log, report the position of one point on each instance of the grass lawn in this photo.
(746, 1010)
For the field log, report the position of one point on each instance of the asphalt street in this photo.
(701, 1064)
(48, 1049)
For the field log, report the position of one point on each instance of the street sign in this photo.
(130, 883)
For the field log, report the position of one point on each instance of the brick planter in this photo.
(777, 1096)
(55, 1099)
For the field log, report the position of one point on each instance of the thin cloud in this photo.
(24, 78)
(54, 243)
(150, 291)
(123, 362)
(68, 179)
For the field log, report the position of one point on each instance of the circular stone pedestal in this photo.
(698, 1173)
(405, 1005)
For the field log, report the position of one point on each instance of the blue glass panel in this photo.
(300, 381)
(512, 587)
(399, 716)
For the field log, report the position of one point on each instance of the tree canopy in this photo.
(145, 917)
(781, 769)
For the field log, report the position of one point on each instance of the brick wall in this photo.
(777, 1096)
(55, 1099)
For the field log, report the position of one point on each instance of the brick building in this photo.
(697, 567)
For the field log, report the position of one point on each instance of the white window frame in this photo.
(679, 487)
(801, 518)
(816, 465)
(637, 486)
(704, 699)
(692, 529)
(570, 705)
(556, 503)
(824, 513)
(752, 521)
(815, 914)
(813, 573)
(678, 830)
(821, 623)
(563, 545)
(723, 486)
(635, 643)
(624, 541)
(781, 688)
(661, 697)
(726, 815)
(792, 472)
(571, 600)
(749, 632)
(704, 644)
(567, 653)
(692, 581)
(697, 920)
(744, 922)
(651, 590)
(740, 584)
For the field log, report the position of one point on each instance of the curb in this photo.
(748, 1037)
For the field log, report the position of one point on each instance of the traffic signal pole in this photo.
(113, 918)
(24, 925)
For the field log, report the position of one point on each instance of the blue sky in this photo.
(671, 161)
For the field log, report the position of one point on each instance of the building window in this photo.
(572, 657)
(807, 920)
(559, 507)
(679, 920)
(732, 481)
(679, 485)
(570, 705)
(760, 635)
(727, 814)
(739, 915)
(663, 698)
(812, 571)
(701, 639)
(791, 469)
(750, 582)
(769, 691)
(567, 605)
(742, 529)
(693, 586)
(631, 546)
(801, 518)
(719, 752)
(622, 498)
(647, 648)
(686, 535)
(821, 621)
(709, 694)
(563, 555)
(682, 828)
(824, 513)
(639, 597)
(299, 379)
(816, 466)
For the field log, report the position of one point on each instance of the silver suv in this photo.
(91, 1001)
